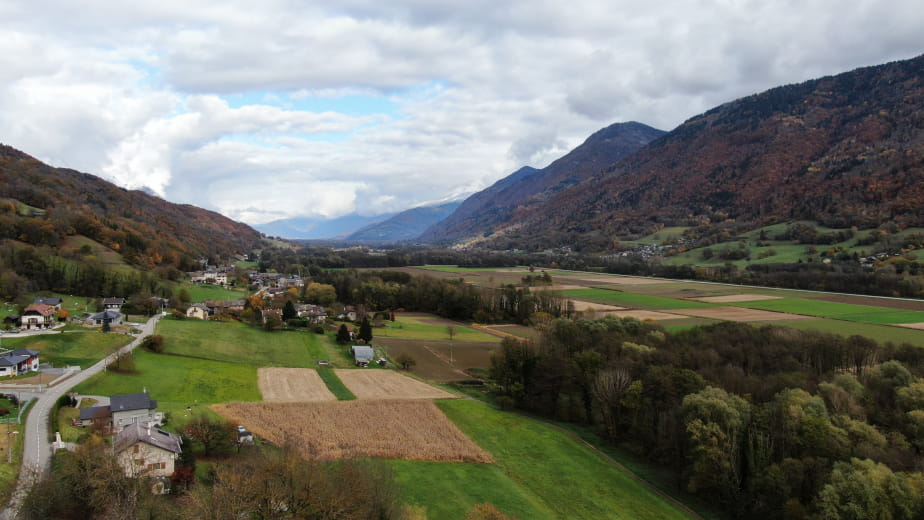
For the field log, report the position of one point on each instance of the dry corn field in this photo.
(413, 430)
(288, 385)
(387, 384)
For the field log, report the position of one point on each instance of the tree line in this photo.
(765, 421)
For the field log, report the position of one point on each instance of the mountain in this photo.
(844, 150)
(484, 211)
(319, 228)
(46, 207)
(407, 225)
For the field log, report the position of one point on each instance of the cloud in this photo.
(280, 109)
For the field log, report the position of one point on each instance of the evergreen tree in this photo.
(365, 330)
(343, 335)
(289, 312)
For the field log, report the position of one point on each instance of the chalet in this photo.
(54, 302)
(113, 304)
(133, 408)
(19, 361)
(146, 451)
(219, 307)
(198, 310)
(102, 318)
(362, 355)
(38, 316)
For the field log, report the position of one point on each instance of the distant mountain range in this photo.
(844, 150)
(407, 225)
(320, 228)
(497, 205)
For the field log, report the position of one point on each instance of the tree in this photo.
(215, 435)
(450, 331)
(183, 296)
(405, 361)
(862, 489)
(343, 334)
(288, 311)
(365, 330)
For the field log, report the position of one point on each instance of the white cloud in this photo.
(281, 108)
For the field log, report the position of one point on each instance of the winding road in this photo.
(36, 457)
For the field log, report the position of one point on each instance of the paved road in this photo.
(36, 457)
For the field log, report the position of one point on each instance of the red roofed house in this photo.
(38, 316)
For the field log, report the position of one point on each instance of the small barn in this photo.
(362, 355)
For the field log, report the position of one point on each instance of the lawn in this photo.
(631, 299)
(200, 293)
(70, 348)
(335, 385)
(429, 327)
(841, 311)
(236, 342)
(177, 382)
(540, 472)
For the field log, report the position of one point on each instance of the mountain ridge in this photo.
(497, 204)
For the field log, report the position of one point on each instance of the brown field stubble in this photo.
(413, 430)
(292, 385)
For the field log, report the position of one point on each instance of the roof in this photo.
(40, 308)
(135, 433)
(360, 351)
(48, 301)
(106, 315)
(95, 412)
(24, 352)
(124, 403)
(113, 301)
(11, 360)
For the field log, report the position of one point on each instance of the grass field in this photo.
(9, 472)
(109, 258)
(543, 473)
(632, 299)
(236, 342)
(200, 293)
(880, 333)
(177, 382)
(70, 348)
(419, 326)
(335, 385)
(841, 311)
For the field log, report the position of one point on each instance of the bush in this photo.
(4, 412)
(153, 343)
(505, 402)
(405, 361)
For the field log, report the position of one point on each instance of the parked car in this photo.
(323, 363)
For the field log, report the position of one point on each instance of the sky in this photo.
(273, 109)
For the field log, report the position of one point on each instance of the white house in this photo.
(19, 361)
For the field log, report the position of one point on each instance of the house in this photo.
(54, 302)
(362, 355)
(12, 319)
(19, 361)
(101, 318)
(100, 417)
(133, 408)
(349, 313)
(113, 304)
(146, 451)
(198, 310)
(38, 316)
(225, 306)
(313, 313)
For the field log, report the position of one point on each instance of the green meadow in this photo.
(840, 311)
(539, 473)
(76, 348)
(236, 342)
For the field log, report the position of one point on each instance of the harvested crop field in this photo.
(599, 307)
(413, 430)
(292, 385)
(388, 384)
(740, 314)
(607, 279)
(645, 315)
(735, 298)
(916, 326)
